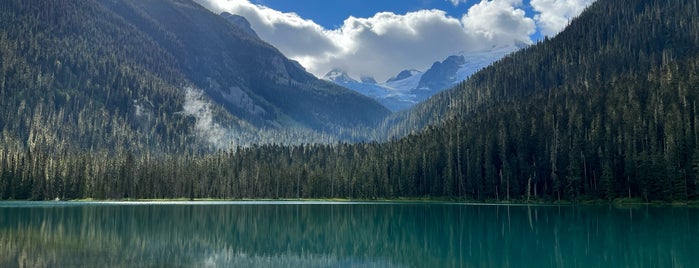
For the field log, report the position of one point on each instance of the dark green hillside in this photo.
(92, 75)
(607, 109)
(70, 78)
(602, 44)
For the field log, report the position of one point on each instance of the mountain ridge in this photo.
(241, 22)
(254, 67)
(127, 66)
(412, 86)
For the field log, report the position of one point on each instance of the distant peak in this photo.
(455, 60)
(338, 75)
(403, 75)
(368, 80)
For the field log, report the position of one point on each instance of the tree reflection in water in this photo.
(294, 234)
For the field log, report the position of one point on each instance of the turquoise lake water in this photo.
(344, 234)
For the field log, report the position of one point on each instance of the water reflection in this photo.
(345, 235)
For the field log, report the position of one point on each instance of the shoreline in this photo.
(622, 202)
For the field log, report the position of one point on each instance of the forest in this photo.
(605, 110)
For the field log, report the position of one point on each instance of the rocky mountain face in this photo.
(403, 75)
(442, 74)
(241, 22)
(164, 74)
(249, 77)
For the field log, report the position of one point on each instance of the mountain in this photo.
(241, 22)
(232, 67)
(410, 87)
(384, 93)
(604, 110)
(367, 80)
(404, 75)
(339, 76)
(158, 75)
(441, 74)
(459, 67)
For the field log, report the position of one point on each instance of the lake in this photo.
(344, 234)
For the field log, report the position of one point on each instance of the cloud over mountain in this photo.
(554, 15)
(386, 43)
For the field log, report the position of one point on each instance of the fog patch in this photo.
(197, 106)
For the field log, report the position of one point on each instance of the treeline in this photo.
(268, 171)
(637, 138)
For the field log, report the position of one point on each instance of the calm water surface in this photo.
(320, 234)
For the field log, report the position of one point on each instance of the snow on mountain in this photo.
(442, 74)
(384, 93)
(412, 86)
(456, 68)
(480, 60)
(403, 75)
(406, 84)
(339, 76)
(368, 80)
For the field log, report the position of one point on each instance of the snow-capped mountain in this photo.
(442, 74)
(412, 86)
(339, 76)
(445, 74)
(403, 75)
(389, 94)
(368, 80)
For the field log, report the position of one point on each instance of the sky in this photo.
(380, 38)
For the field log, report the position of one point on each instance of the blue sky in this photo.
(380, 38)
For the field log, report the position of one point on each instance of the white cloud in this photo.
(457, 2)
(501, 21)
(296, 37)
(386, 43)
(554, 15)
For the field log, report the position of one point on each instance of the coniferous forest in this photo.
(607, 109)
